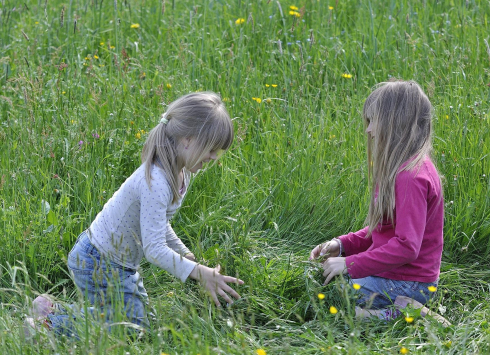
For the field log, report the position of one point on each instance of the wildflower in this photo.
(257, 99)
(356, 286)
(294, 13)
(226, 99)
(333, 310)
(261, 352)
(404, 350)
(267, 85)
(63, 92)
(448, 343)
(101, 43)
(80, 143)
(87, 58)
(96, 56)
(409, 319)
(274, 85)
(36, 23)
(447, 117)
(268, 100)
(240, 21)
(321, 296)
(138, 135)
(135, 25)
(168, 86)
(112, 47)
(346, 76)
(131, 122)
(432, 288)
(95, 135)
(294, 8)
(330, 7)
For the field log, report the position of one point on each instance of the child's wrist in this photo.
(341, 247)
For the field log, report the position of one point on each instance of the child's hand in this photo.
(333, 267)
(215, 283)
(325, 250)
(190, 256)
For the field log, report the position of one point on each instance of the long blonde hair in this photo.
(401, 117)
(200, 116)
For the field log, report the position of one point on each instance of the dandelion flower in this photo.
(346, 76)
(294, 8)
(261, 352)
(356, 286)
(112, 47)
(268, 100)
(330, 7)
(448, 343)
(168, 86)
(135, 25)
(274, 85)
(267, 85)
(333, 310)
(432, 288)
(240, 21)
(96, 57)
(101, 43)
(404, 350)
(63, 92)
(257, 99)
(447, 117)
(294, 13)
(36, 23)
(321, 296)
(409, 319)
(138, 135)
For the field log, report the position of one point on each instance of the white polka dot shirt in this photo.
(135, 223)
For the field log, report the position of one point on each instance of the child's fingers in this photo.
(225, 296)
(231, 291)
(215, 299)
(230, 279)
(315, 252)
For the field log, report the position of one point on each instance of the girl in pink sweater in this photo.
(397, 257)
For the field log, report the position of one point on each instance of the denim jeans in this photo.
(109, 288)
(378, 292)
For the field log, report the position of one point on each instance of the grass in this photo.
(81, 85)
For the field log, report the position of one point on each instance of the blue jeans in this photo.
(108, 287)
(378, 292)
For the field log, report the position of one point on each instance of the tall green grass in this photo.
(82, 82)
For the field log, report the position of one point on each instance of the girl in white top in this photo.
(134, 223)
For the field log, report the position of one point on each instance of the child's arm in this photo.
(402, 244)
(174, 242)
(347, 244)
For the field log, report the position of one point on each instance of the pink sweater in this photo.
(412, 250)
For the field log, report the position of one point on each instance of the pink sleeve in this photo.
(404, 245)
(356, 242)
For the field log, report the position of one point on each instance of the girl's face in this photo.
(190, 151)
(370, 129)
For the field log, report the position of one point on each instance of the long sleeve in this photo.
(401, 245)
(174, 242)
(356, 242)
(154, 231)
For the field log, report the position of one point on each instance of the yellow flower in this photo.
(447, 117)
(267, 85)
(96, 57)
(36, 23)
(240, 21)
(321, 296)
(333, 310)
(257, 99)
(330, 7)
(274, 85)
(63, 92)
(87, 58)
(225, 99)
(142, 131)
(448, 343)
(356, 286)
(135, 25)
(294, 13)
(168, 86)
(101, 43)
(346, 76)
(292, 7)
(432, 288)
(261, 352)
(131, 122)
(138, 135)
(268, 100)
(409, 319)
(112, 47)
(404, 350)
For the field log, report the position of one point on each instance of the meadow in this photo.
(82, 83)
